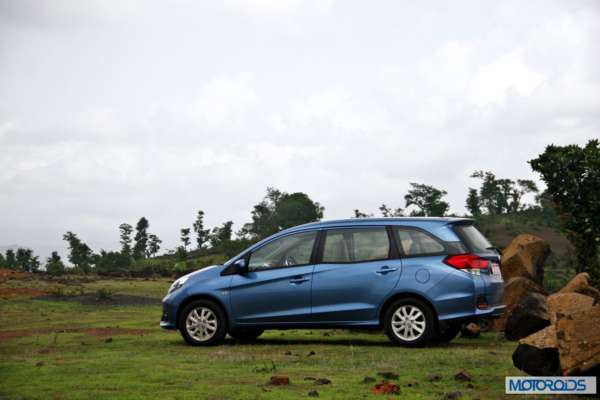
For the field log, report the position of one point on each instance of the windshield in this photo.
(474, 239)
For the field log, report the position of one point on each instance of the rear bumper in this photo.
(490, 313)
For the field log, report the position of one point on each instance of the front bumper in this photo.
(168, 319)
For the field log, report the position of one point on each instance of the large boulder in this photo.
(525, 257)
(528, 316)
(537, 354)
(581, 284)
(562, 304)
(578, 337)
(514, 290)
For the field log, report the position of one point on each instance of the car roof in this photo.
(408, 221)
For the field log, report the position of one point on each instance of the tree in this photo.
(572, 177)
(54, 265)
(473, 202)
(126, 231)
(360, 214)
(11, 259)
(296, 209)
(80, 254)
(185, 237)
(26, 261)
(221, 235)
(388, 212)
(153, 245)
(502, 196)
(279, 210)
(112, 262)
(141, 239)
(201, 233)
(427, 199)
(2, 261)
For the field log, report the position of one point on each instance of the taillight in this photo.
(467, 261)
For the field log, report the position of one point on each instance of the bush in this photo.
(104, 294)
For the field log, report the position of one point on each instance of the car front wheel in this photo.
(409, 322)
(202, 323)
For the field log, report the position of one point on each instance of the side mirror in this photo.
(240, 266)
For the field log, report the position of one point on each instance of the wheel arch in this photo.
(202, 296)
(406, 295)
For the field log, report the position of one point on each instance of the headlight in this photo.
(178, 283)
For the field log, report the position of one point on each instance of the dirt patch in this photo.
(14, 334)
(11, 292)
(91, 299)
(6, 274)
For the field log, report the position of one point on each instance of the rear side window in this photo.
(356, 245)
(474, 239)
(416, 243)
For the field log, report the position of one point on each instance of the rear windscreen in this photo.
(474, 240)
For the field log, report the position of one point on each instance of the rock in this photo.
(279, 380)
(452, 396)
(368, 379)
(310, 353)
(322, 381)
(528, 316)
(514, 290)
(313, 393)
(561, 304)
(537, 354)
(388, 375)
(525, 257)
(39, 364)
(470, 386)
(581, 284)
(434, 378)
(108, 340)
(411, 384)
(386, 388)
(463, 375)
(578, 337)
(471, 331)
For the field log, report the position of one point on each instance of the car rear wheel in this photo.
(202, 323)
(409, 322)
(246, 334)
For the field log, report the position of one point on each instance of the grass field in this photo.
(64, 346)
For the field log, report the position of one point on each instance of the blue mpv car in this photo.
(419, 279)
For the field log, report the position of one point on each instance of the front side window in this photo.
(284, 252)
(356, 245)
(417, 243)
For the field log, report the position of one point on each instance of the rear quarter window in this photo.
(474, 240)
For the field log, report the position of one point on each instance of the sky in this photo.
(113, 110)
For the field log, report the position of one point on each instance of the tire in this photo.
(448, 335)
(246, 335)
(211, 325)
(416, 314)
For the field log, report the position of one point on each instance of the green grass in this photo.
(157, 364)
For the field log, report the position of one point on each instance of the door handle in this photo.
(298, 280)
(385, 270)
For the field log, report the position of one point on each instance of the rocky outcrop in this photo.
(528, 316)
(470, 331)
(515, 290)
(538, 353)
(581, 284)
(525, 257)
(562, 304)
(578, 338)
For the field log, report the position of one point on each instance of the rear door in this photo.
(277, 287)
(358, 268)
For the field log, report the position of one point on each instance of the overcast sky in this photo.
(112, 110)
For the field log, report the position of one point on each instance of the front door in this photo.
(356, 273)
(277, 287)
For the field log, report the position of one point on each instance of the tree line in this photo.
(572, 195)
